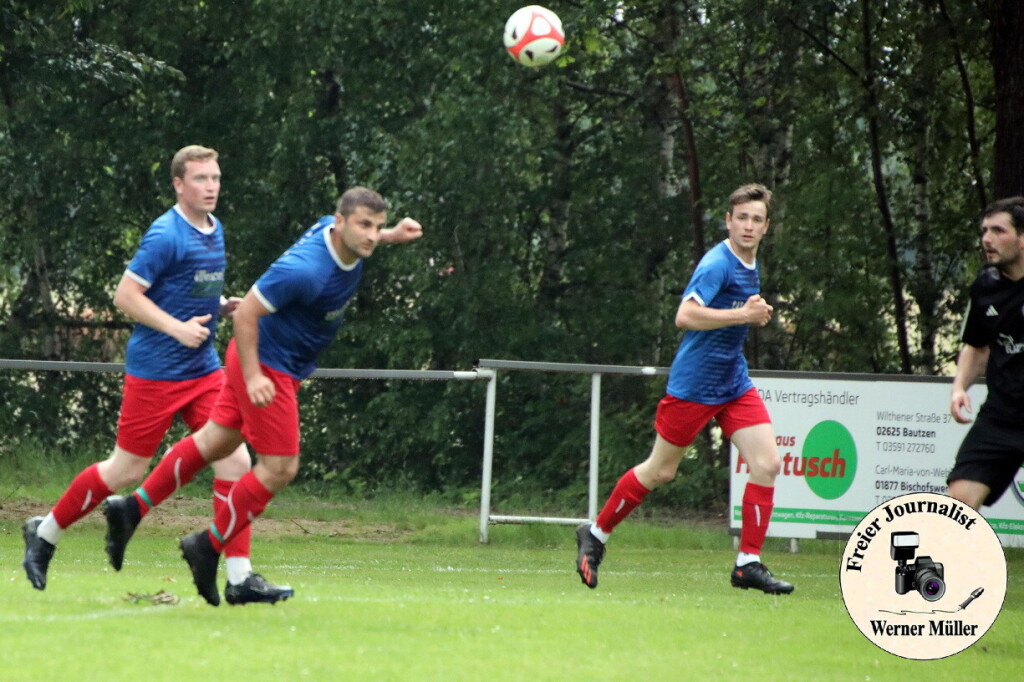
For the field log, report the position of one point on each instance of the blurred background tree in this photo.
(564, 207)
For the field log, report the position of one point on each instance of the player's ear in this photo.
(339, 220)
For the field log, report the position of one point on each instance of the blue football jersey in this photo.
(182, 269)
(306, 290)
(709, 367)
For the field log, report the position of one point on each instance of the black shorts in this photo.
(991, 453)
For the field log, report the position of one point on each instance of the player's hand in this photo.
(758, 311)
(261, 390)
(193, 332)
(960, 406)
(405, 231)
(228, 306)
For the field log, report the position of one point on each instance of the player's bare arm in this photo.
(131, 299)
(247, 336)
(406, 230)
(969, 366)
(691, 315)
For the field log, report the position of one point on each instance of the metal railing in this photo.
(595, 372)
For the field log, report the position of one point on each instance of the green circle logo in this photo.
(829, 459)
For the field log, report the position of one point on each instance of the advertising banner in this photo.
(850, 442)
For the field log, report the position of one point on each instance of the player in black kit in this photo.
(993, 336)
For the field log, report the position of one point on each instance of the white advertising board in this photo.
(850, 444)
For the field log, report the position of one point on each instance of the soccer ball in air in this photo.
(533, 36)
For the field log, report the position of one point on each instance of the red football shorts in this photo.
(270, 430)
(148, 408)
(679, 421)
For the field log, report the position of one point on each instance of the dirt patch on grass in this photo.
(184, 514)
(180, 515)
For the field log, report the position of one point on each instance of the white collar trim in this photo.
(334, 254)
(748, 266)
(209, 228)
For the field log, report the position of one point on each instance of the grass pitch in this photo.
(403, 591)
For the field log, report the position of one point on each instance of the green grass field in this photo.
(403, 591)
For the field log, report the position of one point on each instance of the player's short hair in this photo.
(361, 196)
(1014, 206)
(752, 192)
(192, 152)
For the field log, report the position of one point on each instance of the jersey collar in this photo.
(208, 229)
(748, 266)
(334, 254)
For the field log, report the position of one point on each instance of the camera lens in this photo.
(930, 585)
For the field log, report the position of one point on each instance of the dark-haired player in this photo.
(993, 335)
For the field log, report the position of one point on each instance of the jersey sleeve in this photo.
(974, 331)
(285, 283)
(158, 250)
(708, 279)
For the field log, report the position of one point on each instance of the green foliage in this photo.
(556, 201)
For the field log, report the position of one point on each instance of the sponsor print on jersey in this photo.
(207, 284)
(336, 313)
(1017, 485)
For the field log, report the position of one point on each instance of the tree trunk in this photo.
(1008, 72)
(881, 195)
(973, 146)
(552, 281)
(924, 288)
(698, 246)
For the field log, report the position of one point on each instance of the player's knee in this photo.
(116, 479)
(768, 466)
(123, 472)
(277, 472)
(663, 475)
(288, 475)
(234, 466)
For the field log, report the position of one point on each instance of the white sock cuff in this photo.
(742, 559)
(239, 568)
(49, 530)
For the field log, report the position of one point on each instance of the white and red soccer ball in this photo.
(534, 36)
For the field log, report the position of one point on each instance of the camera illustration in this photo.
(923, 575)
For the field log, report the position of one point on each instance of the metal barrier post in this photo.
(595, 371)
(485, 485)
(595, 442)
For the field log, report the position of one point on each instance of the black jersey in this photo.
(995, 319)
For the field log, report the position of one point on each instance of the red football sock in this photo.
(757, 512)
(84, 494)
(628, 493)
(241, 543)
(179, 466)
(247, 500)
